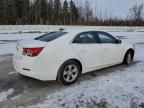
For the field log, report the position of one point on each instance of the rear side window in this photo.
(50, 36)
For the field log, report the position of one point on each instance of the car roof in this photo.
(82, 30)
(77, 31)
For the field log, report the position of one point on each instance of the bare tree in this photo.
(136, 13)
(88, 12)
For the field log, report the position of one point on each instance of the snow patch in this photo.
(7, 49)
(10, 73)
(5, 94)
(16, 97)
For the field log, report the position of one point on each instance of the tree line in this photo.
(55, 12)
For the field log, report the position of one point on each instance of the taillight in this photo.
(32, 52)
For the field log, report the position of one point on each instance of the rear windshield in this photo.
(50, 36)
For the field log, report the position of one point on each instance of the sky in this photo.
(114, 8)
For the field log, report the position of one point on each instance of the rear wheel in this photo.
(128, 58)
(69, 72)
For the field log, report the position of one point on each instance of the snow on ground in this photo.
(8, 41)
(121, 89)
(16, 97)
(10, 73)
(19, 36)
(5, 94)
(7, 49)
(130, 37)
(127, 33)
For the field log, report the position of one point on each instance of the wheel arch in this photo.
(73, 59)
(131, 51)
(76, 60)
(80, 64)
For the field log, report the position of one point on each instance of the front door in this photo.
(111, 50)
(87, 46)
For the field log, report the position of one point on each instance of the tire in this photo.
(128, 58)
(69, 72)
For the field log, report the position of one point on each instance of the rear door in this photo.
(87, 46)
(111, 50)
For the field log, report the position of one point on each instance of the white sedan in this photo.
(64, 55)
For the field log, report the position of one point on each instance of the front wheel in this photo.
(128, 58)
(69, 72)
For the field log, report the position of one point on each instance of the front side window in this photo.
(50, 36)
(106, 38)
(84, 38)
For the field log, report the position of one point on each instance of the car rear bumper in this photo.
(19, 67)
(35, 69)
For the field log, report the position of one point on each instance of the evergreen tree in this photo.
(19, 9)
(3, 8)
(73, 13)
(65, 13)
(57, 11)
(36, 10)
(26, 12)
(44, 11)
(50, 12)
(40, 11)
(31, 14)
(22, 11)
(10, 12)
(1, 11)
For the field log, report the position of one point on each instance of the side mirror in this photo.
(118, 41)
